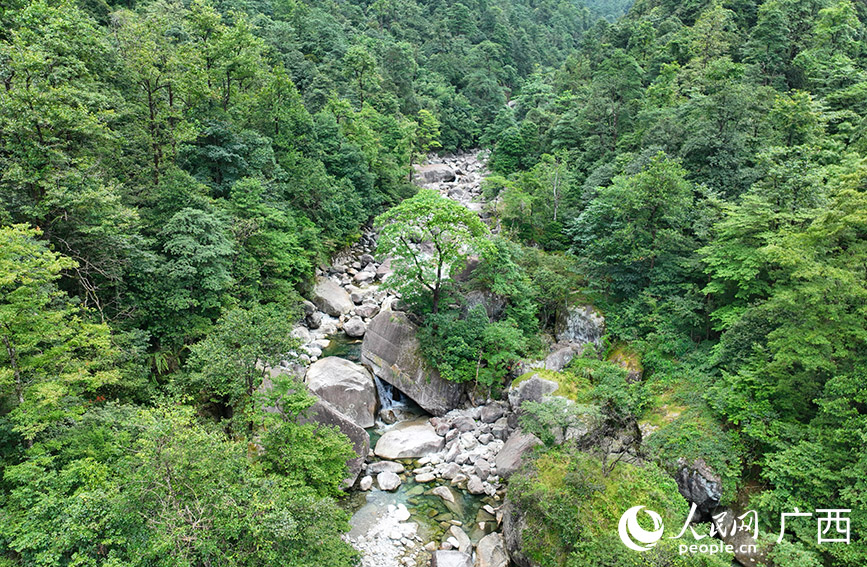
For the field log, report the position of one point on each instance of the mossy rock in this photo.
(569, 384)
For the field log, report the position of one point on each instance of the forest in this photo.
(175, 173)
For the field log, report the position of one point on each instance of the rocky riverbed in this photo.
(430, 489)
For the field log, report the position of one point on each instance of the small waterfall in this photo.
(390, 398)
(394, 405)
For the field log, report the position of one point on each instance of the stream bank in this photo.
(433, 480)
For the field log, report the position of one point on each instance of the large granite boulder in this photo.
(391, 350)
(324, 413)
(491, 551)
(700, 486)
(443, 558)
(331, 298)
(514, 524)
(434, 173)
(409, 440)
(532, 390)
(347, 386)
(581, 324)
(510, 456)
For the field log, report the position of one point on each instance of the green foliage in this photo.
(570, 511)
(472, 348)
(553, 420)
(634, 234)
(303, 455)
(428, 219)
(228, 367)
(122, 486)
(54, 358)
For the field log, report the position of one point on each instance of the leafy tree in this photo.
(195, 276)
(428, 237)
(303, 454)
(230, 365)
(53, 357)
(636, 232)
(427, 134)
(360, 66)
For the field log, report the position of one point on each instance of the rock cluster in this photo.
(458, 177)
(392, 542)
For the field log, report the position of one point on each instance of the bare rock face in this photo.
(513, 526)
(434, 173)
(347, 386)
(532, 390)
(509, 458)
(491, 551)
(324, 413)
(581, 324)
(700, 486)
(331, 298)
(409, 440)
(391, 350)
(442, 558)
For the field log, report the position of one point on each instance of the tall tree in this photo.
(428, 237)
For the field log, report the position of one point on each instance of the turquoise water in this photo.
(344, 347)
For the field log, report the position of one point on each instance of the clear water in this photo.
(343, 347)
(429, 511)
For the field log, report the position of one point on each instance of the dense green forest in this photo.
(172, 172)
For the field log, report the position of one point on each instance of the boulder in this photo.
(450, 558)
(325, 414)
(366, 483)
(493, 304)
(354, 328)
(308, 306)
(388, 481)
(746, 548)
(331, 298)
(491, 551)
(302, 334)
(391, 350)
(475, 485)
(409, 440)
(464, 424)
(580, 324)
(514, 525)
(367, 310)
(509, 458)
(492, 413)
(314, 319)
(445, 493)
(434, 173)
(364, 276)
(532, 390)
(347, 386)
(562, 354)
(700, 486)
(384, 270)
(385, 466)
(464, 543)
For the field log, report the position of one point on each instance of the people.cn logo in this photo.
(634, 536)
